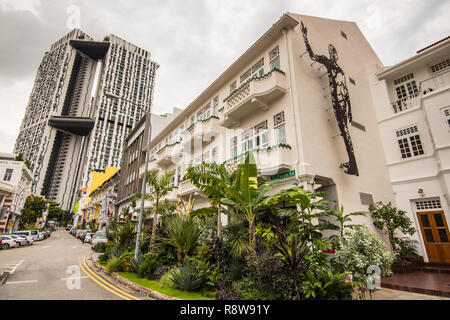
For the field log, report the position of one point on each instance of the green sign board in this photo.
(283, 175)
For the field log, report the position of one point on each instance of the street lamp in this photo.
(144, 181)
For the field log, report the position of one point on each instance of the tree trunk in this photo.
(155, 222)
(219, 222)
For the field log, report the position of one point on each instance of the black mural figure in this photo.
(339, 98)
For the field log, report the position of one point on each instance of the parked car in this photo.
(22, 241)
(8, 242)
(68, 227)
(74, 231)
(44, 234)
(29, 238)
(99, 237)
(83, 235)
(32, 233)
(88, 237)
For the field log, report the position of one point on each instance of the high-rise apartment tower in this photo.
(86, 98)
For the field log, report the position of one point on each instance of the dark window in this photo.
(429, 235)
(425, 221)
(343, 35)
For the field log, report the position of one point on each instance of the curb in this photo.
(132, 285)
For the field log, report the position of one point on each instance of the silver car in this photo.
(7, 242)
(22, 241)
(99, 237)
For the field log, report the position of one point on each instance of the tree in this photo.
(160, 186)
(211, 178)
(33, 209)
(247, 195)
(55, 213)
(298, 239)
(343, 218)
(388, 218)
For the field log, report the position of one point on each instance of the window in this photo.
(278, 119)
(407, 90)
(8, 175)
(233, 86)
(428, 204)
(214, 156)
(274, 53)
(447, 116)
(280, 128)
(246, 74)
(234, 147)
(258, 68)
(440, 66)
(409, 142)
(275, 64)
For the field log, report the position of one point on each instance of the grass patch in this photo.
(154, 285)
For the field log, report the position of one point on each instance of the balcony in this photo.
(254, 95)
(168, 155)
(426, 87)
(270, 161)
(186, 187)
(436, 82)
(202, 130)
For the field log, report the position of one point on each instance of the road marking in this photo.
(94, 276)
(82, 277)
(13, 267)
(20, 282)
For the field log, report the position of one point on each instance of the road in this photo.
(54, 269)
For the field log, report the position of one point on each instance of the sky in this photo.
(193, 41)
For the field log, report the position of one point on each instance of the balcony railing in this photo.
(202, 129)
(253, 95)
(436, 82)
(186, 187)
(270, 161)
(169, 154)
(425, 87)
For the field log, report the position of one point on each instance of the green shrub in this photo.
(113, 265)
(359, 249)
(248, 289)
(99, 247)
(102, 259)
(148, 267)
(188, 277)
(325, 285)
(126, 261)
(166, 279)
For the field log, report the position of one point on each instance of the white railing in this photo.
(425, 87)
(186, 187)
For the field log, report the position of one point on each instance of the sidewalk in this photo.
(391, 294)
(429, 283)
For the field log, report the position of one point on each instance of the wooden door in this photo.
(435, 235)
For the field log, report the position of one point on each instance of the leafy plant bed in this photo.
(154, 285)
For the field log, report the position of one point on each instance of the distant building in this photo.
(413, 114)
(86, 98)
(85, 210)
(15, 186)
(134, 158)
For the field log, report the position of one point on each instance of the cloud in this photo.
(194, 41)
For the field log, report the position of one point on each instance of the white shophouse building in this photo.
(276, 100)
(15, 186)
(413, 114)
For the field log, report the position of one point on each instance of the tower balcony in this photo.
(252, 96)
